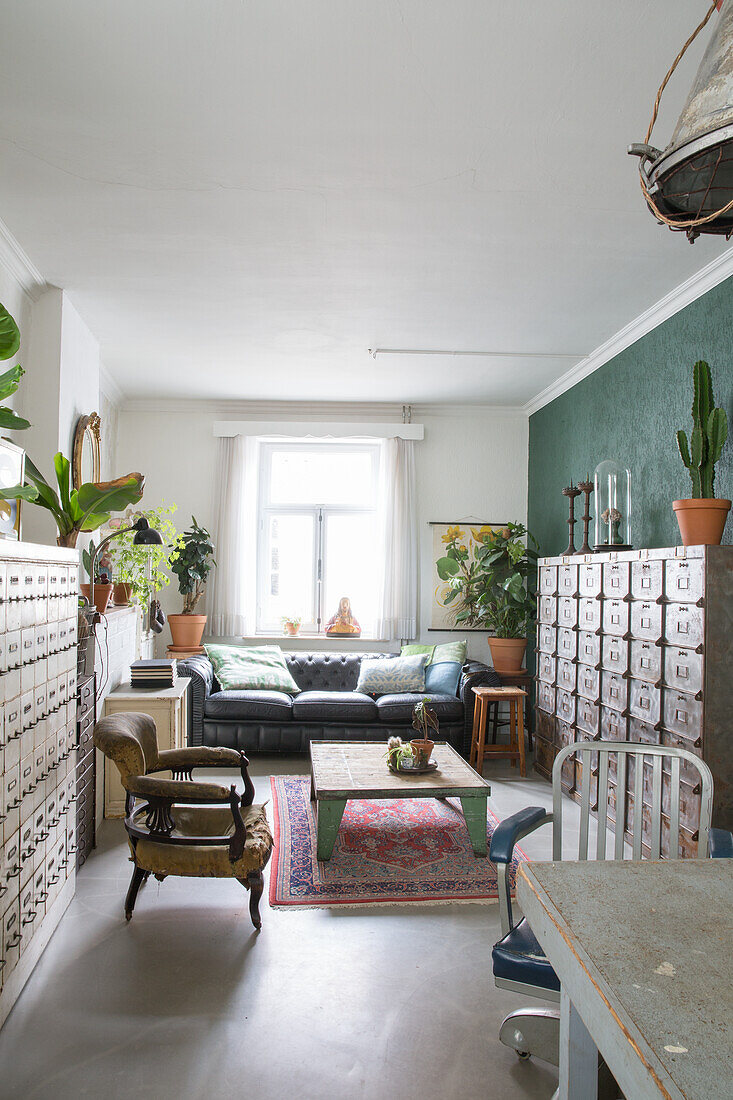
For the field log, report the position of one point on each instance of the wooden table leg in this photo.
(522, 764)
(475, 732)
(483, 713)
(495, 724)
(329, 814)
(513, 729)
(474, 811)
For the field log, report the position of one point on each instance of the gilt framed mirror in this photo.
(85, 464)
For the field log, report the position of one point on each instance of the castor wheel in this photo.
(523, 1055)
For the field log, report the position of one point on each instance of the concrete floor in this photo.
(187, 1002)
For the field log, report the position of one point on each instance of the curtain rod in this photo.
(303, 428)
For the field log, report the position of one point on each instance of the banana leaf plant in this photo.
(10, 380)
(76, 510)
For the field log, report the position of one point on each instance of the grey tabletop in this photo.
(645, 952)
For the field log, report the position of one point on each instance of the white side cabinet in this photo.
(169, 710)
(38, 749)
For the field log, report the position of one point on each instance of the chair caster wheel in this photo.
(523, 1055)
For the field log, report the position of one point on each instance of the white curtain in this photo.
(399, 550)
(232, 584)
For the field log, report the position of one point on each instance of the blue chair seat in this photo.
(519, 958)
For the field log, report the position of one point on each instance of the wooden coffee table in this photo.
(342, 770)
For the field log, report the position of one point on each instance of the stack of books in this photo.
(153, 674)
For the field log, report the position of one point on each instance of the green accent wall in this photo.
(629, 410)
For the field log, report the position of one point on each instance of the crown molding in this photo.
(110, 388)
(683, 295)
(20, 266)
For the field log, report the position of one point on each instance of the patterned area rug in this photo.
(387, 852)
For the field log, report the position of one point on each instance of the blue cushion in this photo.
(519, 958)
(442, 678)
(389, 675)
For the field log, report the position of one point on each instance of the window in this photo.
(318, 532)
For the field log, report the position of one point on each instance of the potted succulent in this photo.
(191, 560)
(140, 572)
(423, 720)
(492, 589)
(702, 517)
(291, 623)
(399, 755)
(102, 573)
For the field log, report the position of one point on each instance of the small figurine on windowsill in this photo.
(344, 622)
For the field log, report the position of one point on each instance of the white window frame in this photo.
(319, 511)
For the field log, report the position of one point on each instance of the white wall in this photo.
(472, 462)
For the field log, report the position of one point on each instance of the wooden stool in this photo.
(518, 679)
(515, 697)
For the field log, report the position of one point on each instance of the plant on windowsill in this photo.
(702, 517)
(491, 588)
(140, 571)
(291, 623)
(191, 561)
(102, 573)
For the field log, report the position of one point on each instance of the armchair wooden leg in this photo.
(138, 877)
(256, 885)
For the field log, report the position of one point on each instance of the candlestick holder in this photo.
(571, 492)
(586, 487)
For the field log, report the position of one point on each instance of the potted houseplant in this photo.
(423, 720)
(191, 561)
(102, 573)
(491, 587)
(291, 624)
(75, 510)
(10, 380)
(140, 571)
(702, 517)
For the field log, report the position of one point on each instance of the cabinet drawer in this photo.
(589, 614)
(684, 580)
(567, 612)
(645, 702)
(589, 648)
(565, 706)
(567, 580)
(682, 713)
(616, 579)
(588, 717)
(13, 654)
(615, 655)
(614, 725)
(684, 625)
(647, 580)
(589, 580)
(548, 580)
(567, 644)
(642, 731)
(615, 617)
(566, 674)
(645, 662)
(546, 667)
(547, 639)
(547, 612)
(546, 697)
(589, 682)
(545, 725)
(614, 692)
(646, 621)
(544, 756)
(683, 669)
(86, 697)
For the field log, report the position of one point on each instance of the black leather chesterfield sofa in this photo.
(328, 707)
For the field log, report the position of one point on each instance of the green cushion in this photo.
(447, 651)
(244, 667)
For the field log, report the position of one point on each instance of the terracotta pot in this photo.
(102, 593)
(121, 594)
(292, 628)
(187, 630)
(507, 654)
(701, 521)
(422, 750)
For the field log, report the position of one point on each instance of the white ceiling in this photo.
(243, 196)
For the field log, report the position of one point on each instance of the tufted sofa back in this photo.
(327, 671)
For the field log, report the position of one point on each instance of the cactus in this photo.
(709, 433)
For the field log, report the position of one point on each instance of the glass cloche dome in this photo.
(612, 492)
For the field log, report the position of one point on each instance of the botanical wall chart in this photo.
(461, 539)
